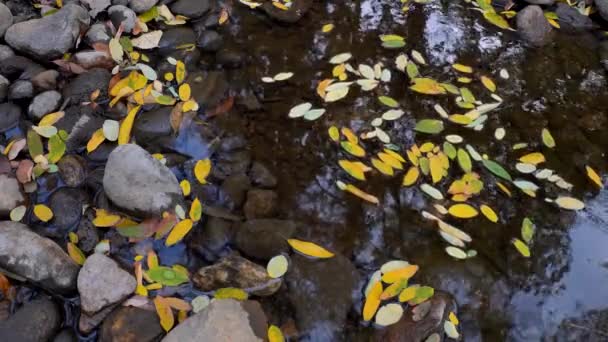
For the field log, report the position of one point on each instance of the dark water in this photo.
(501, 296)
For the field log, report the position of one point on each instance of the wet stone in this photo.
(20, 90)
(36, 321)
(236, 271)
(87, 234)
(229, 164)
(571, 20)
(44, 103)
(72, 169)
(11, 195)
(80, 88)
(4, 84)
(297, 10)
(66, 335)
(97, 33)
(130, 324)
(5, 52)
(120, 14)
(213, 240)
(261, 204)
(45, 80)
(208, 88)
(209, 41)
(174, 37)
(261, 176)
(6, 19)
(191, 8)
(533, 27)
(19, 67)
(66, 204)
(234, 190)
(140, 6)
(264, 238)
(230, 58)
(9, 116)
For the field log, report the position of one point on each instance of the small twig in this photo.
(595, 331)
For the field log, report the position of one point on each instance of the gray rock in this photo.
(297, 10)
(66, 204)
(602, 50)
(101, 283)
(46, 80)
(541, 2)
(209, 41)
(90, 59)
(533, 27)
(130, 324)
(10, 196)
(5, 52)
(9, 116)
(174, 37)
(152, 125)
(193, 9)
(73, 170)
(97, 33)
(21, 89)
(123, 15)
(602, 7)
(261, 204)
(6, 19)
(19, 67)
(236, 271)
(230, 58)
(234, 189)
(80, 88)
(51, 36)
(223, 320)
(140, 6)
(38, 259)
(141, 185)
(4, 84)
(326, 283)
(571, 20)
(96, 6)
(264, 238)
(36, 321)
(212, 241)
(44, 103)
(261, 176)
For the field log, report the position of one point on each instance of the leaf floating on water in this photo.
(408, 293)
(569, 203)
(521, 247)
(489, 213)
(548, 138)
(327, 28)
(275, 334)
(340, 58)
(310, 249)
(462, 68)
(417, 56)
(488, 83)
(392, 114)
(464, 160)
(398, 274)
(388, 101)
(384, 168)
(411, 176)
(372, 301)
(594, 176)
(202, 168)
(353, 148)
(463, 210)
(429, 126)
(456, 252)
(277, 266)
(337, 94)
(527, 230)
(392, 41)
(357, 192)
(431, 191)
(534, 158)
(499, 133)
(496, 169)
(423, 293)
(179, 232)
(299, 110)
(355, 169)
(389, 314)
(283, 76)
(427, 86)
(43, 213)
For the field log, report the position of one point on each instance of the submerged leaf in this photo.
(521, 247)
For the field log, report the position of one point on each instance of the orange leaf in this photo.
(177, 304)
(96, 139)
(163, 310)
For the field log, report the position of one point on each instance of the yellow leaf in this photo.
(569, 203)
(394, 289)
(96, 139)
(394, 155)
(322, 86)
(411, 176)
(595, 178)
(169, 76)
(398, 274)
(358, 192)
(533, 158)
(327, 28)
(437, 169)
(196, 210)
(180, 72)
(105, 219)
(76, 254)
(453, 318)
(190, 106)
(350, 135)
(390, 160)
(355, 169)
(462, 210)
(275, 334)
(126, 91)
(177, 304)
(408, 293)
(489, 213)
(223, 17)
(427, 86)
(504, 188)
(460, 119)
(488, 83)
(231, 293)
(334, 134)
(382, 167)
(152, 259)
(372, 302)
(124, 133)
(178, 232)
(186, 188)
(164, 313)
(184, 92)
(353, 148)
(462, 68)
(310, 249)
(43, 213)
(51, 119)
(202, 170)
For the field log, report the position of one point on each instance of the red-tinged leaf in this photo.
(24, 171)
(102, 47)
(224, 107)
(5, 285)
(165, 225)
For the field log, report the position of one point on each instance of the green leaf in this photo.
(56, 149)
(449, 150)
(527, 230)
(467, 95)
(388, 101)
(148, 15)
(548, 138)
(126, 44)
(34, 144)
(167, 276)
(521, 247)
(496, 19)
(412, 70)
(496, 169)
(464, 160)
(430, 126)
(423, 293)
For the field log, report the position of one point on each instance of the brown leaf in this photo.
(102, 47)
(224, 107)
(176, 116)
(177, 304)
(24, 171)
(5, 285)
(70, 66)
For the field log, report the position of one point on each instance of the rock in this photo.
(101, 283)
(234, 189)
(297, 10)
(97, 33)
(602, 7)
(6, 19)
(209, 41)
(4, 83)
(208, 87)
(236, 271)
(51, 36)
(603, 52)
(72, 169)
(80, 88)
(5, 52)
(46, 80)
(44, 103)
(88, 322)
(141, 185)
(264, 238)
(533, 27)
(261, 204)
(66, 204)
(11, 195)
(19, 67)
(130, 324)
(140, 6)
(213, 240)
(35, 258)
(93, 59)
(541, 2)
(571, 20)
(87, 233)
(408, 330)
(9, 116)
(328, 284)
(66, 335)
(192, 9)
(223, 320)
(96, 6)
(230, 58)
(174, 37)
(261, 176)
(152, 125)
(120, 14)
(21, 89)
(36, 321)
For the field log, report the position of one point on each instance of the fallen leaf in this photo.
(309, 249)
(124, 134)
(148, 40)
(202, 168)
(164, 313)
(43, 213)
(178, 232)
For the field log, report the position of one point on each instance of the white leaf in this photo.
(314, 114)
(299, 110)
(267, 79)
(148, 40)
(282, 76)
(392, 114)
(147, 71)
(385, 138)
(336, 95)
(389, 314)
(337, 86)
(417, 56)
(116, 50)
(366, 71)
(110, 129)
(385, 76)
(401, 62)
(367, 85)
(340, 58)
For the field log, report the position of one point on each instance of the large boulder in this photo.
(102, 283)
(37, 259)
(533, 27)
(223, 320)
(36, 321)
(135, 181)
(51, 36)
(6, 19)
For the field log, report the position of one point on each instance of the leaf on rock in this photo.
(76, 254)
(309, 249)
(275, 334)
(231, 293)
(124, 134)
(594, 176)
(148, 40)
(389, 314)
(164, 313)
(372, 302)
(196, 210)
